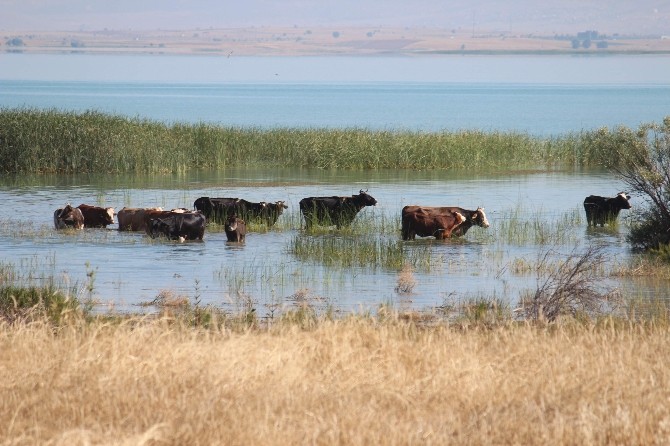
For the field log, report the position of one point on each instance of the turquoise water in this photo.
(537, 109)
(539, 95)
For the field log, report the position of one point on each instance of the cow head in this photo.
(479, 218)
(622, 200)
(232, 222)
(365, 199)
(109, 216)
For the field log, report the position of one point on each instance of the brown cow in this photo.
(96, 217)
(132, 219)
(68, 217)
(236, 229)
(439, 222)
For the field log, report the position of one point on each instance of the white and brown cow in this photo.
(440, 222)
(96, 217)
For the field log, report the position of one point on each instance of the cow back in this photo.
(133, 219)
(188, 226)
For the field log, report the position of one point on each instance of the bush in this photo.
(645, 167)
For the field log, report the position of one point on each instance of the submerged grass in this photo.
(350, 251)
(60, 141)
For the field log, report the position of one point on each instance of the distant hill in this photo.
(623, 17)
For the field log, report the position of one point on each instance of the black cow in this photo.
(68, 217)
(236, 229)
(601, 210)
(220, 209)
(338, 211)
(440, 222)
(178, 226)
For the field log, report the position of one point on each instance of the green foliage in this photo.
(58, 141)
(30, 303)
(352, 251)
(645, 167)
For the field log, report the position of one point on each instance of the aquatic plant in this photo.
(354, 251)
(42, 141)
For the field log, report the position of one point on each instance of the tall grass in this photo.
(60, 141)
(351, 381)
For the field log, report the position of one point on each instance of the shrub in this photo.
(645, 167)
(569, 288)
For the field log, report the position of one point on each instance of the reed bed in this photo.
(521, 226)
(349, 251)
(42, 141)
(352, 381)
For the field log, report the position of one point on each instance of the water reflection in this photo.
(131, 268)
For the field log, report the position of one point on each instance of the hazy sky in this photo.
(522, 16)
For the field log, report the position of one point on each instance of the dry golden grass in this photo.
(352, 381)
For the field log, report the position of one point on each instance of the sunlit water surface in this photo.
(123, 270)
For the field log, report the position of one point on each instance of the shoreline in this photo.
(302, 41)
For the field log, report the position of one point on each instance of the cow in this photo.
(270, 212)
(440, 222)
(68, 217)
(220, 209)
(601, 210)
(133, 219)
(338, 211)
(236, 229)
(178, 226)
(96, 217)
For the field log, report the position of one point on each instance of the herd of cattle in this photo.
(185, 224)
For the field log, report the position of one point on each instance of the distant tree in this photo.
(586, 43)
(576, 44)
(601, 45)
(336, 34)
(16, 41)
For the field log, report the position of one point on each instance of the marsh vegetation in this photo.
(69, 142)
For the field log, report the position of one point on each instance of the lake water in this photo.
(131, 268)
(543, 96)
(539, 95)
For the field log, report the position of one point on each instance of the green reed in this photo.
(43, 141)
(521, 226)
(353, 251)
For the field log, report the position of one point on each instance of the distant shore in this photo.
(303, 41)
